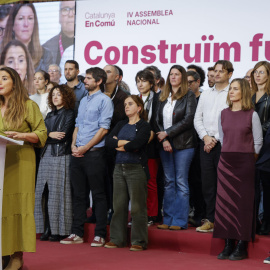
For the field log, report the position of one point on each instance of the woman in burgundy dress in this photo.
(241, 138)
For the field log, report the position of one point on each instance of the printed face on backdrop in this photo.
(3, 24)
(175, 77)
(6, 84)
(24, 24)
(260, 75)
(221, 75)
(235, 92)
(67, 17)
(16, 59)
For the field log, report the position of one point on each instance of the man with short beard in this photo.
(71, 74)
(87, 166)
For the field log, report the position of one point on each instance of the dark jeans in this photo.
(89, 169)
(195, 185)
(129, 183)
(209, 164)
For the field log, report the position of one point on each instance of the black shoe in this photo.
(240, 251)
(45, 236)
(265, 228)
(54, 238)
(195, 221)
(228, 249)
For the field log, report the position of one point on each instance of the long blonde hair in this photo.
(245, 93)
(16, 107)
(183, 89)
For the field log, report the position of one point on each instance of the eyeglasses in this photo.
(53, 70)
(2, 30)
(261, 72)
(190, 82)
(65, 11)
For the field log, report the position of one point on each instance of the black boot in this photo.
(265, 228)
(240, 251)
(54, 238)
(228, 249)
(47, 232)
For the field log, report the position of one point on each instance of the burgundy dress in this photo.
(236, 173)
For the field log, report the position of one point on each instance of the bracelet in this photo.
(164, 140)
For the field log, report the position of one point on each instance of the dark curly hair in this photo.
(68, 95)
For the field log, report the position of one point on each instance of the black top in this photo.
(137, 145)
(181, 133)
(128, 133)
(262, 107)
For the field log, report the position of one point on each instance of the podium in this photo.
(4, 141)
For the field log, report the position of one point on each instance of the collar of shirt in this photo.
(226, 89)
(89, 97)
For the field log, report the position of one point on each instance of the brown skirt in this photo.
(234, 216)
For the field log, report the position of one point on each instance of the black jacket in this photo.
(62, 121)
(181, 133)
(262, 107)
(138, 145)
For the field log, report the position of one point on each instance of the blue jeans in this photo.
(176, 191)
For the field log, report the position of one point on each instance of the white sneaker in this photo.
(72, 239)
(98, 242)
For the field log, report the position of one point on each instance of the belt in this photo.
(96, 149)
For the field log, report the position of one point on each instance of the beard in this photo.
(71, 78)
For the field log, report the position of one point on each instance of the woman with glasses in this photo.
(175, 116)
(260, 80)
(22, 25)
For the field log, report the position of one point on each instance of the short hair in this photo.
(157, 72)
(211, 69)
(45, 75)
(139, 102)
(148, 76)
(253, 83)
(68, 95)
(245, 93)
(227, 65)
(116, 70)
(74, 63)
(183, 89)
(59, 68)
(120, 71)
(4, 11)
(194, 74)
(98, 74)
(200, 71)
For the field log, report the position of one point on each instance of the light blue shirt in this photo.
(95, 112)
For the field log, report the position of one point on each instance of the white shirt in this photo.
(42, 102)
(211, 103)
(168, 112)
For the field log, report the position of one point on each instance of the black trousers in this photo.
(265, 178)
(209, 164)
(195, 185)
(89, 169)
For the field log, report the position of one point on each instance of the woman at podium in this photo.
(20, 119)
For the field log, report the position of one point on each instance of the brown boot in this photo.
(16, 261)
